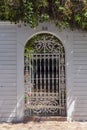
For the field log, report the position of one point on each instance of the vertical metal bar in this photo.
(40, 83)
(57, 75)
(48, 75)
(32, 74)
(50, 80)
(56, 92)
(31, 70)
(44, 75)
(59, 83)
(36, 91)
(41, 75)
(52, 75)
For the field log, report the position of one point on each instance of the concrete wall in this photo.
(8, 72)
(80, 75)
(12, 41)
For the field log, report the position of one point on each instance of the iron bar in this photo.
(45, 78)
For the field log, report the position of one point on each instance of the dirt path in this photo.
(45, 125)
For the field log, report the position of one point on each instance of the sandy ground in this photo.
(45, 125)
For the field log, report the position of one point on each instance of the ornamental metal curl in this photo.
(47, 43)
(45, 79)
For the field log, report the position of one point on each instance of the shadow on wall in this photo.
(12, 117)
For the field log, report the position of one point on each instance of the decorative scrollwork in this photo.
(44, 75)
(44, 106)
(53, 109)
(38, 45)
(47, 43)
(37, 106)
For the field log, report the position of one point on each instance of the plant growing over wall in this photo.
(64, 13)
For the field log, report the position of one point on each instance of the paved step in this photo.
(50, 118)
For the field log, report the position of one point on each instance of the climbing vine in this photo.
(65, 13)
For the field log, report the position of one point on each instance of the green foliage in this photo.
(44, 17)
(29, 14)
(65, 13)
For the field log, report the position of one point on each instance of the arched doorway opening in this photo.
(45, 76)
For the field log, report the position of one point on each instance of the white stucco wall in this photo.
(80, 75)
(12, 42)
(25, 33)
(8, 72)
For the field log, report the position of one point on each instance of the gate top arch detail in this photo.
(44, 43)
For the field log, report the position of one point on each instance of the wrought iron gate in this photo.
(45, 85)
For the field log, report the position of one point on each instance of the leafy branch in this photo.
(65, 13)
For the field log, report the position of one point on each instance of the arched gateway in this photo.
(44, 76)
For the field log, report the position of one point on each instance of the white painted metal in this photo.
(46, 54)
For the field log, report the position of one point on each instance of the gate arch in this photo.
(44, 76)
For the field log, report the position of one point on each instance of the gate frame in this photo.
(65, 36)
(55, 53)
